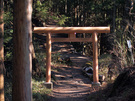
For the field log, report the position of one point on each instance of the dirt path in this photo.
(71, 84)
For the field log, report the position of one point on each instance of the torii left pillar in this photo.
(48, 82)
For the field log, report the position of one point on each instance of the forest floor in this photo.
(70, 84)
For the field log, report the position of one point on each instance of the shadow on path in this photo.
(71, 84)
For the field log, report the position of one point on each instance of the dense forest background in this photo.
(118, 14)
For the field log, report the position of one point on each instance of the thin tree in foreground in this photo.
(1, 51)
(22, 59)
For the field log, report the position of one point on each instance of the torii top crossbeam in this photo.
(71, 29)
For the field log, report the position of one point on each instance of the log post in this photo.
(2, 97)
(95, 59)
(48, 58)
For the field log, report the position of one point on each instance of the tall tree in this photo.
(22, 59)
(1, 51)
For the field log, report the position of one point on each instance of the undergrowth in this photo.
(40, 92)
(104, 61)
(121, 90)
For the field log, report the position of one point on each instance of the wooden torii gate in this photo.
(72, 38)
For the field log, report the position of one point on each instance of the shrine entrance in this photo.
(72, 38)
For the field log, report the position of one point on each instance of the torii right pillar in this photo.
(95, 60)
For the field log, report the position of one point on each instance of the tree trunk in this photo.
(66, 7)
(1, 51)
(22, 58)
(114, 12)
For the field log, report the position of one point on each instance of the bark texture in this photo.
(22, 61)
(1, 51)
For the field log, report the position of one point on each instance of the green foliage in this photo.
(104, 61)
(8, 53)
(42, 11)
(39, 91)
(8, 35)
(8, 89)
(121, 50)
(41, 57)
(8, 19)
(62, 20)
(55, 57)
